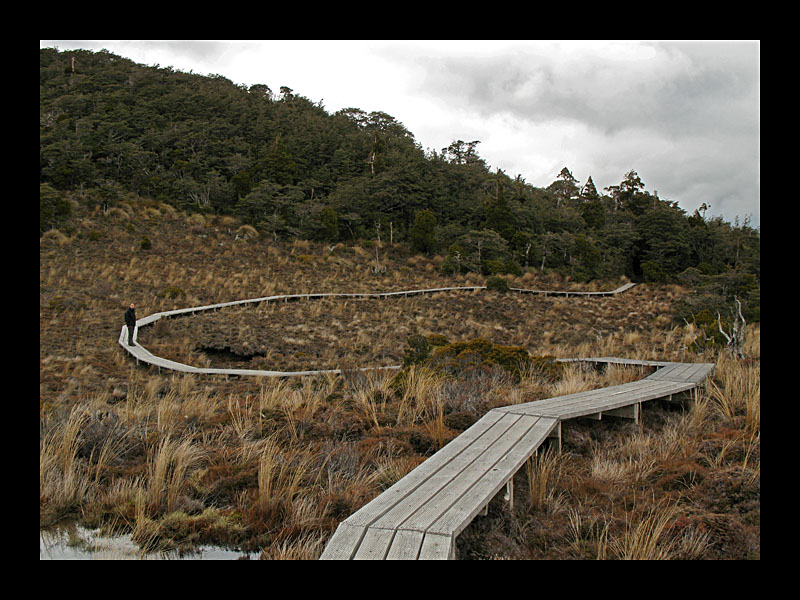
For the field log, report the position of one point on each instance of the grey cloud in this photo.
(684, 115)
(212, 53)
(669, 88)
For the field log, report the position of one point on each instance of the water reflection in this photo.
(70, 541)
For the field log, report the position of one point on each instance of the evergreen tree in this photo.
(330, 224)
(496, 213)
(589, 191)
(565, 187)
(423, 233)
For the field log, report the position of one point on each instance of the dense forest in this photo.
(111, 130)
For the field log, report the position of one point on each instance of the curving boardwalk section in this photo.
(142, 355)
(420, 516)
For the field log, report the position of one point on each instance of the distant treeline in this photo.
(110, 129)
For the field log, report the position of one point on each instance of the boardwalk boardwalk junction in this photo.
(420, 516)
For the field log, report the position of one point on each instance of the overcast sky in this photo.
(684, 115)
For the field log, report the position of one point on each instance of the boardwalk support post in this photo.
(555, 435)
(626, 412)
(509, 497)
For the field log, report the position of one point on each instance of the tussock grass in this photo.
(588, 533)
(422, 397)
(612, 466)
(735, 391)
(544, 471)
(278, 478)
(279, 463)
(643, 537)
(576, 379)
(307, 547)
(64, 482)
(169, 467)
(647, 536)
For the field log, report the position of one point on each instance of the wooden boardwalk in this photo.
(142, 355)
(420, 516)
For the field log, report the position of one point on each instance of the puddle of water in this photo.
(73, 542)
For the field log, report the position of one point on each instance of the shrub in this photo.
(449, 266)
(422, 443)
(479, 352)
(548, 368)
(329, 221)
(146, 244)
(503, 266)
(653, 272)
(497, 284)
(423, 232)
(419, 349)
(494, 267)
(512, 267)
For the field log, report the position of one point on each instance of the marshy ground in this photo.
(272, 466)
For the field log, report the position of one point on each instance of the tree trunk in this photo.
(736, 338)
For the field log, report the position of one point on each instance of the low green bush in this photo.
(497, 284)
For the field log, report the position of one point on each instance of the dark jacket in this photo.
(130, 317)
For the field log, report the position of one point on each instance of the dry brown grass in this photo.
(544, 471)
(169, 467)
(64, 481)
(275, 465)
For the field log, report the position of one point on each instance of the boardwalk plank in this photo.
(437, 547)
(406, 545)
(463, 478)
(375, 544)
(343, 543)
(435, 481)
(461, 512)
(377, 507)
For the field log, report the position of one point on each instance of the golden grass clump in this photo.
(169, 467)
(55, 236)
(576, 379)
(64, 482)
(195, 220)
(648, 536)
(544, 471)
(735, 391)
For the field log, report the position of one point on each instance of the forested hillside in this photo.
(111, 130)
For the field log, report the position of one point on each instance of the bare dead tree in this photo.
(735, 334)
(378, 268)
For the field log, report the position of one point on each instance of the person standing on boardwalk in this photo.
(130, 321)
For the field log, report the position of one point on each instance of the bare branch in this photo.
(719, 322)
